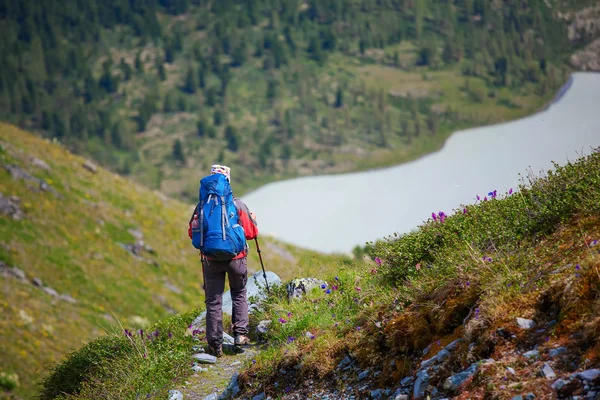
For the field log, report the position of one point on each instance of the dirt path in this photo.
(217, 377)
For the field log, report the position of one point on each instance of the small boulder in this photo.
(205, 358)
(90, 166)
(376, 394)
(420, 384)
(590, 375)
(548, 372)
(263, 326)
(364, 375)
(454, 381)
(531, 354)
(557, 352)
(407, 381)
(525, 323)
(36, 162)
(175, 395)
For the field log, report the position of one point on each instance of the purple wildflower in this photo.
(290, 339)
(468, 283)
(323, 286)
(287, 389)
(126, 332)
(510, 191)
(253, 361)
(378, 260)
(335, 325)
(434, 216)
(464, 210)
(289, 314)
(577, 267)
(283, 321)
(328, 291)
(358, 328)
(334, 287)
(170, 335)
(478, 198)
(485, 198)
(145, 355)
(141, 332)
(336, 278)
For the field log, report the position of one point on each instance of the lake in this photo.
(334, 213)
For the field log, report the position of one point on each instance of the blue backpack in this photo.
(217, 232)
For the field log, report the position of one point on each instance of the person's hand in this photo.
(253, 216)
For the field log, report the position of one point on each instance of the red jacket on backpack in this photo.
(245, 220)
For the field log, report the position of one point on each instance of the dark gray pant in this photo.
(214, 275)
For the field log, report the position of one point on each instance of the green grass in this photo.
(531, 253)
(70, 241)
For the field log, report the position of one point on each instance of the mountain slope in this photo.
(275, 88)
(71, 260)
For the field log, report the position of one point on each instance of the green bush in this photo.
(535, 209)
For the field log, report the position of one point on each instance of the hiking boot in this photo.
(215, 351)
(241, 340)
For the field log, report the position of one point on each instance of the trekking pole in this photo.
(203, 275)
(261, 264)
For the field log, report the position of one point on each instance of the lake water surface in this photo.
(333, 213)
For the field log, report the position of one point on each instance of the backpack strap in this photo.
(201, 223)
(223, 216)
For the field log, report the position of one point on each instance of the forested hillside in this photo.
(161, 89)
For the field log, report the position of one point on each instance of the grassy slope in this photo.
(535, 254)
(69, 240)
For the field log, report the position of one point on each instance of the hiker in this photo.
(218, 262)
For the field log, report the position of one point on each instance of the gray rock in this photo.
(364, 375)
(588, 375)
(13, 272)
(260, 396)
(263, 326)
(36, 162)
(37, 282)
(197, 368)
(401, 397)
(525, 323)
(529, 396)
(376, 394)
(67, 298)
(345, 362)
(557, 352)
(205, 358)
(519, 397)
(212, 396)
(426, 350)
(232, 390)
(90, 166)
(227, 338)
(136, 234)
(453, 382)
(50, 291)
(427, 363)
(548, 371)
(420, 384)
(299, 287)
(10, 206)
(592, 395)
(175, 395)
(407, 381)
(510, 370)
(442, 355)
(531, 354)
(558, 384)
(451, 346)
